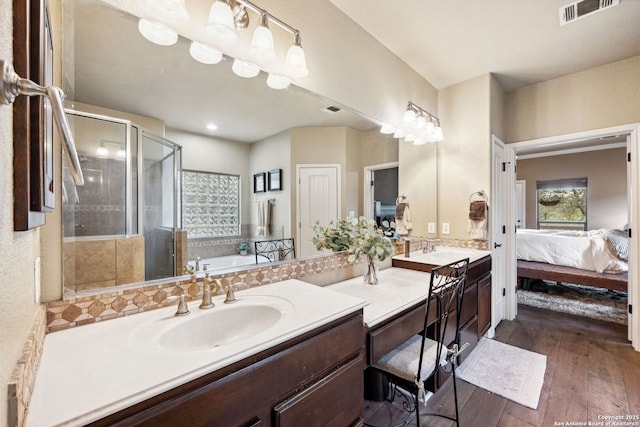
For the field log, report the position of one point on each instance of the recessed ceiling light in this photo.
(212, 126)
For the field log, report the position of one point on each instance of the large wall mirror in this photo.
(172, 149)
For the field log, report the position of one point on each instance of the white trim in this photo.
(367, 201)
(633, 132)
(573, 151)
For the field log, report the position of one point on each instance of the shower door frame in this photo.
(177, 168)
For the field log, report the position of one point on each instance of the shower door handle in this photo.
(497, 245)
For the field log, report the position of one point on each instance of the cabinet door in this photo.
(484, 304)
(336, 400)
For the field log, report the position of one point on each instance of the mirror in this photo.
(160, 100)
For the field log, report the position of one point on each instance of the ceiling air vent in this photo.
(332, 109)
(580, 9)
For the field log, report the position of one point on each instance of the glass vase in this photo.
(371, 271)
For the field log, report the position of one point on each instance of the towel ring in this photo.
(481, 194)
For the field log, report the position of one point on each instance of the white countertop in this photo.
(444, 255)
(89, 372)
(397, 290)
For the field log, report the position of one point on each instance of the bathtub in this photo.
(228, 261)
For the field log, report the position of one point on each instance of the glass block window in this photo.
(210, 204)
(562, 204)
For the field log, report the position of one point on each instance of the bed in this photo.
(595, 258)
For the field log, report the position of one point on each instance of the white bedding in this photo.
(587, 250)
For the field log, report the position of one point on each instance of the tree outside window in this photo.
(562, 204)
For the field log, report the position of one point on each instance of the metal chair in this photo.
(428, 355)
(275, 250)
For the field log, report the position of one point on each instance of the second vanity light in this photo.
(418, 126)
(225, 18)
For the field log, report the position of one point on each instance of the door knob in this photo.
(496, 245)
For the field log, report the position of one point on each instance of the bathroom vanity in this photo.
(397, 304)
(284, 352)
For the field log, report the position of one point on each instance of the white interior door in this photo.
(521, 206)
(318, 200)
(502, 242)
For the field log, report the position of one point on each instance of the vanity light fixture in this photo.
(226, 17)
(221, 24)
(262, 50)
(418, 126)
(157, 32)
(204, 53)
(101, 151)
(158, 16)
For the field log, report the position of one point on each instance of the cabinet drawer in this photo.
(387, 337)
(332, 401)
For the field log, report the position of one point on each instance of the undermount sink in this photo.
(209, 329)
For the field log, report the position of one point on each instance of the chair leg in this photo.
(455, 392)
(417, 403)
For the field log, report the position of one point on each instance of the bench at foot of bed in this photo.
(558, 273)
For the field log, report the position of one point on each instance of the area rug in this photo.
(508, 371)
(596, 303)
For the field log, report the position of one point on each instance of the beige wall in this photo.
(204, 153)
(464, 164)
(593, 99)
(274, 152)
(606, 171)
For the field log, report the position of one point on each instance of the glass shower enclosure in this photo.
(121, 226)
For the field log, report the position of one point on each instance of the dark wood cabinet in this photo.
(484, 304)
(314, 379)
(475, 316)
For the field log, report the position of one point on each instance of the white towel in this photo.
(404, 225)
(264, 218)
(478, 229)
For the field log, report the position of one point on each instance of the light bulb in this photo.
(296, 63)
(429, 126)
(386, 129)
(220, 23)
(437, 134)
(409, 118)
(275, 81)
(204, 53)
(399, 134)
(171, 11)
(262, 50)
(102, 151)
(245, 69)
(157, 33)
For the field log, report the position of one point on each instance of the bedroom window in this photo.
(562, 204)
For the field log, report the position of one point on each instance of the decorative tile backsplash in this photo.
(84, 310)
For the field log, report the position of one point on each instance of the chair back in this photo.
(446, 289)
(275, 250)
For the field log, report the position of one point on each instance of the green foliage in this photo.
(562, 205)
(356, 236)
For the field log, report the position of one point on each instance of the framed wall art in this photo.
(259, 184)
(275, 180)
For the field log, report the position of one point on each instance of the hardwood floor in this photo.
(592, 371)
